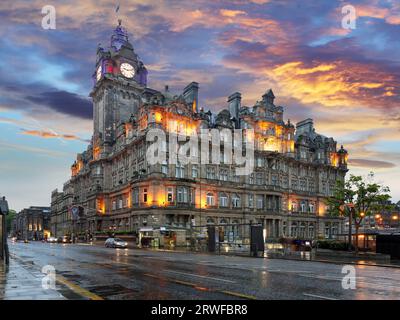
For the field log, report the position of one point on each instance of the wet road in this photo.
(105, 273)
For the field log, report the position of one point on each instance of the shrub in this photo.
(333, 245)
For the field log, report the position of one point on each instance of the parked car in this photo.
(52, 240)
(64, 239)
(115, 243)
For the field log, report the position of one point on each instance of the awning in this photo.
(145, 229)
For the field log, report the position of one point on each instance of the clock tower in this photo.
(119, 80)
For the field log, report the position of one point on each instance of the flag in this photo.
(117, 8)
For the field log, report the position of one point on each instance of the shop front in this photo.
(162, 237)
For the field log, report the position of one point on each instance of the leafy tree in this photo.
(9, 218)
(360, 197)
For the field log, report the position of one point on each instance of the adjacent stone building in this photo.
(114, 187)
(32, 223)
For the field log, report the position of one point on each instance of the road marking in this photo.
(195, 286)
(196, 275)
(77, 289)
(239, 295)
(317, 296)
(74, 287)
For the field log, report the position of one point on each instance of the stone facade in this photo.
(32, 223)
(113, 186)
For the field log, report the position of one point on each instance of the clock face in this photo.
(98, 73)
(127, 70)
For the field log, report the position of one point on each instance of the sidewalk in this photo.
(24, 282)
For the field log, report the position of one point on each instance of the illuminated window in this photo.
(210, 199)
(145, 195)
(170, 194)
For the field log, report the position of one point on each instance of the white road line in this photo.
(317, 296)
(196, 275)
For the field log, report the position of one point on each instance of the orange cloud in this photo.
(370, 164)
(391, 16)
(231, 13)
(338, 83)
(48, 134)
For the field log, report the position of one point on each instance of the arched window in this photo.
(311, 230)
(328, 231)
(210, 220)
(235, 200)
(293, 230)
(223, 199)
(210, 199)
(236, 230)
(302, 230)
(334, 230)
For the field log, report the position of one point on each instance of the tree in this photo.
(9, 218)
(359, 197)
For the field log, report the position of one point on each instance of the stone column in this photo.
(273, 228)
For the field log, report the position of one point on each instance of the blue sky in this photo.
(346, 80)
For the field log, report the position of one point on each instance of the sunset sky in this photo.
(346, 80)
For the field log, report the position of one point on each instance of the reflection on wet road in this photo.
(139, 274)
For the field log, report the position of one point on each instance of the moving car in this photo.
(52, 240)
(115, 243)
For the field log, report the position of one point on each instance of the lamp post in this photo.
(377, 218)
(4, 255)
(351, 211)
(396, 218)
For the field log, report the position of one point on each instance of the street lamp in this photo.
(396, 218)
(377, 219)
